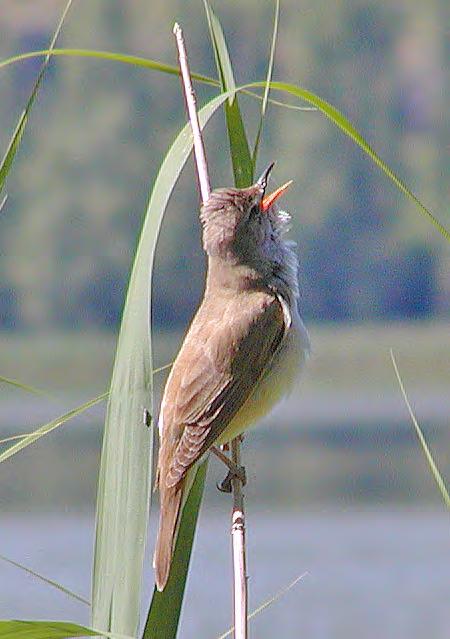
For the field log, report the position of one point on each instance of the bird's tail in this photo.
(171, 499)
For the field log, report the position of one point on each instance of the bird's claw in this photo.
(226, 486)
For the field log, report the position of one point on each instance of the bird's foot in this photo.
(234, 472)
(226, 486)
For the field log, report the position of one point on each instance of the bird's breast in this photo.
(278, 381)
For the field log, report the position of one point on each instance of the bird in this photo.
(243, 352)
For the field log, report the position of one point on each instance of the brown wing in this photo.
(227, 349)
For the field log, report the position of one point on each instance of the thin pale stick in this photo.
(240, 602)
(199, 149)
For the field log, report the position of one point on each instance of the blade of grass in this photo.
(429, 457)
(17, 135)
(123, 492)
(13, 438)
(268, 603)
(268, 79)
(242, 169)
(137, 61)
(284, 105)
(43, 630)
(134, 60)
(47, 428)
(50, 582)
(240, 151)
(221, 55)
(24, 387)
(74, 413)
(165, 608)
(12, 629)
(347, 127)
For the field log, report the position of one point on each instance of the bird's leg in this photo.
(227, 445)
(233, 471)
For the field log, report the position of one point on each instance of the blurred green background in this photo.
(100, 129)
(336, 472)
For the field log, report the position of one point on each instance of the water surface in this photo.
(371, 573)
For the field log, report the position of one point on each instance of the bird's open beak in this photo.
(268, 200)
(262, 182)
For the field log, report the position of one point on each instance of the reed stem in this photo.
(238, 517)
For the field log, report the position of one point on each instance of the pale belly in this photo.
(279, 381)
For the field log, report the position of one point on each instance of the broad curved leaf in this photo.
(125, 471)
(14, 629)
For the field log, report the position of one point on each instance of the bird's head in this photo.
(244, 225)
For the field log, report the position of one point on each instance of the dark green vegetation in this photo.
(75, 205)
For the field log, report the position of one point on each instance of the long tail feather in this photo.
(168, 526)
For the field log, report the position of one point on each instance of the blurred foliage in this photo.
(99, 131)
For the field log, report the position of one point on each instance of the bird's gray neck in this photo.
(279, 273)
(284, 277)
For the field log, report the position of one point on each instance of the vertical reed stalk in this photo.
(199, 149)
(238, 545)
(238, 518)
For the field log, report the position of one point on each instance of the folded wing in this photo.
(228, 348)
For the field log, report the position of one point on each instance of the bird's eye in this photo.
(254, 212)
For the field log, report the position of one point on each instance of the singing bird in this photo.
(243, 351)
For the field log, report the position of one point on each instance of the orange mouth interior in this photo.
(268, 200)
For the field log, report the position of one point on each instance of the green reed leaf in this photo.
(268, 79)
(125, 477)
(22, 386)
(13, 629)
(134, 60)
(240, 151)
(14, 143)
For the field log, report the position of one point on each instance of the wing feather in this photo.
(228, 348)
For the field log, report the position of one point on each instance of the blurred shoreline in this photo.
(352, 355)
(344, 438)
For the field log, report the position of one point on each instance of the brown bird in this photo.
(244, 349)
